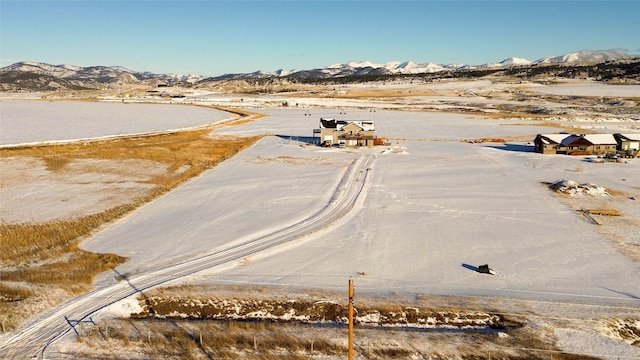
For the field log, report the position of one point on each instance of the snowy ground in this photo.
(433, 207)
(44, 121)
(436, 207)
(580, 88)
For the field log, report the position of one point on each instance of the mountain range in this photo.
(41, 76)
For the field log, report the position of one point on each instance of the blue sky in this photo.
(216, 37)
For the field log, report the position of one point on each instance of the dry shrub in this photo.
(14, 293)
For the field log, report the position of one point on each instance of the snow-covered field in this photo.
(434, 208)
(32, 121)
(579, 88)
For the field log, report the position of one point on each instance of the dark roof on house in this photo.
(574, 140)
(331, 123)
(339, 124)
(550, 138)
(627, 137)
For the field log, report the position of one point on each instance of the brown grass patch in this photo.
(605, 212)
(14, 293)
(186, 339)
(55, 163)
(74, 271)
(191, 340)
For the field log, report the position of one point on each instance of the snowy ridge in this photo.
(359, 68)
(102, 74)
(585, 56)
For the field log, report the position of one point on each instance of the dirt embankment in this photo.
(307, 311)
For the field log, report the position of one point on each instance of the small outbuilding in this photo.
(628, 143)
(548, 143)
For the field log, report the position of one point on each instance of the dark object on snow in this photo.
(484, 269)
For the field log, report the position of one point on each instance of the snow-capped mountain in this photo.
(585, 56)
(41, 76)
(515, 61)
(393, 67)
(361, 68)
(95, 74)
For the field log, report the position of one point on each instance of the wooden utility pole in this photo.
(350, 319)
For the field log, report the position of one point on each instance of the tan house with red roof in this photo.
(583, 144)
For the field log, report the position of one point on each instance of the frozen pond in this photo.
(24, 121)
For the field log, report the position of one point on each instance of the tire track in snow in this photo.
(35, 337)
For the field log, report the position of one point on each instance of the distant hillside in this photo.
(365, 69)
(34, 76)
(596, 65)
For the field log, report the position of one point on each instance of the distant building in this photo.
(628, 142)
(549, 143)
(589, 144)
(347, 133)
(585, 144)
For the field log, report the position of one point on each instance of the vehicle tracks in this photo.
(35, 337)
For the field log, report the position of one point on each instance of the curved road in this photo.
(32, 341)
